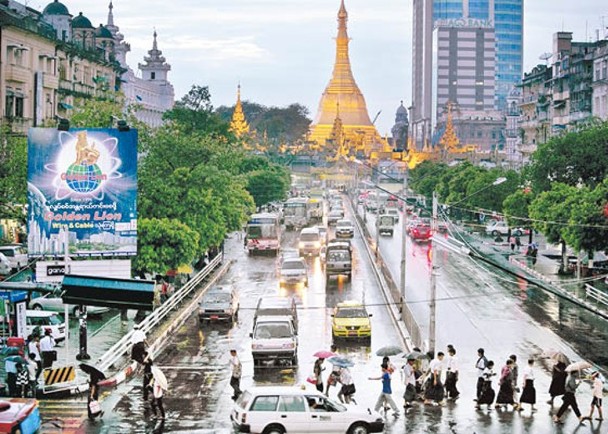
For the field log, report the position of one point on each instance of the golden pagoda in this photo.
(342, 89)
(238, 124)
(449, 140)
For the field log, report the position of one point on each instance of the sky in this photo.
(282, 51)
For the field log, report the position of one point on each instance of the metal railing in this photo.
(600, 297)
(123, 346)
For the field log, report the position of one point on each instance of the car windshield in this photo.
(386, 220)
(217, 298)
(271, 330)
(344, 224)
(54, 320)
(255, 232)
(293, 265)
(335, 213)
(309, 237)
(351, 312)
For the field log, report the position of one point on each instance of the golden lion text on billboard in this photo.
(82, 188)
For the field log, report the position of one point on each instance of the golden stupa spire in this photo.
(449, 140)
(342, 88)
(238, 124)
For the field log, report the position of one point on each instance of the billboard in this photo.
(82, 187)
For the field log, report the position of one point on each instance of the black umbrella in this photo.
(92, 371)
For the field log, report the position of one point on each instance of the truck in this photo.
(385, 224)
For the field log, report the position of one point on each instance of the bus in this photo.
(263, 233)
(295, 213)
(315, 205)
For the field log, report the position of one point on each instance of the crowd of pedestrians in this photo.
(435, 381)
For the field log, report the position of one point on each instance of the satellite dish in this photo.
(545, 56)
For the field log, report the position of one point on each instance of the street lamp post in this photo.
(403, 244)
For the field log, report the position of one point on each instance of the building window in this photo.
(9, 106)
(153, 75)
(19, 107)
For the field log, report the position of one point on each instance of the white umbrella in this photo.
(578, 366)
(159, 378)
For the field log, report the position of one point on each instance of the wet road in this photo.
(196, 362)
(476, 307)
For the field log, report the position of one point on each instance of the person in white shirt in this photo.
(32, 368)
(598, 393)
(47, 348)
(138, 340)
(480, 365)
(409, 375)
(528, 394)
(451, 376)
(235, 377)
(348, 387)
(434, 392)
(33, 347)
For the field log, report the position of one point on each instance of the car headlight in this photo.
(301, 245)
(365, 327)
(289, 346)
(339, 327)
(256, 346)
(317, 244)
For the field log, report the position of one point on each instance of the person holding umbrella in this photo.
(334, 376)
(569, 398)
(317, 371)
(95, 376)
(348, 387)
(558, 381)
(158, 386)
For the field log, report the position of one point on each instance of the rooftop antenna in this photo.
(546, 57)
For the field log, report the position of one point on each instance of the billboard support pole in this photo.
(66, 258)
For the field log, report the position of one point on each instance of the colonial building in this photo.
(400, 130)
(600, 81)
(513, 151)
(342, 98)
(44, 69)
(151, 91)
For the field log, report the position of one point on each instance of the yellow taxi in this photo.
(351, 321)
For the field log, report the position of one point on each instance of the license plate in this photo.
(352, 333)
(214, 317)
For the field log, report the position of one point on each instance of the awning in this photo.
(113, 293)
(66, 106)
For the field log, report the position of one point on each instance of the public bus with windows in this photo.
(296, 213)
(263, 233)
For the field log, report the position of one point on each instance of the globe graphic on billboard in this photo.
(83, 178)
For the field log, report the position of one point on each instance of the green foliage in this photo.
(13, 176)
(515, 206)
(426, 176)
(194, 114)
(278, 124)
(577, 157)
(164, 244)
(268, 185)
(551, 211)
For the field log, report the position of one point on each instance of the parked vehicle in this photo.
(500, 227)
(42, 320)
(345, 229)
(293, 271)
(279, 410)
(220, 303)
(5, 265)
(275, 305)
(351, 320)
(386, 225)
(338, 259)
(16, 255)
(52, 302)
(310, 242)
(274, 338)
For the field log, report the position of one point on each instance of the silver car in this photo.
(293, 271)
(54, 303)
(220, 303)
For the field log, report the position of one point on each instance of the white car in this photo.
(54, 303)
(40, 321)
(499, 227)
(345, 229)
(280, 410)
(15, 254)
(5, 266)
(293, 271)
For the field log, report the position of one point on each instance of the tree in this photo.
(163, 245)
(426, 176)
(194, 114)
(551, 211)
(13, 176)
(516, 209)
(574, 158)
(268, 185)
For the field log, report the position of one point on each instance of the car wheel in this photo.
(37, 307)
(495, 233)
(359, 428)
(274, 429)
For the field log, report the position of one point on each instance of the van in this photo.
(310, 242)
(338, 259)
(43, 320)
(274, 338)
(16, 255)
(275, 305)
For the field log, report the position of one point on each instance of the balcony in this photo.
(18, 73)
(50, 81)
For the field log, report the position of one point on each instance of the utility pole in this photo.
(432, 305)
(377, 222)
(403, 242)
